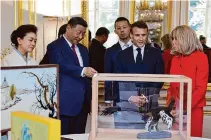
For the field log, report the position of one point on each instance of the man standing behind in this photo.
(203, 41)
(74, 87)
(97, 50)
(122, 29)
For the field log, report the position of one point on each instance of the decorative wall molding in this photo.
(169, 14)
(132, 10)
(84, 15)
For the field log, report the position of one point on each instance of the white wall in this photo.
(7, 22)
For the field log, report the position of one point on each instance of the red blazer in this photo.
(167, 57)
(194, 66)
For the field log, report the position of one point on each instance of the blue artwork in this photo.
(197, 15)
(4, 137)
(25, 134)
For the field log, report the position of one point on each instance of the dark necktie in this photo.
(73, 48)
(139, 56)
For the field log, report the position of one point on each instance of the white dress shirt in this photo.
(80, 59)
(15, 58)
(125, 45)
(135, 52)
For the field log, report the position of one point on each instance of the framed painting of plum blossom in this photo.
(32, 89)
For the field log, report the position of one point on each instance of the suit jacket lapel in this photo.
(118, 47)
(146, 54)
(67, 49)
(131, 57)
(66, 46)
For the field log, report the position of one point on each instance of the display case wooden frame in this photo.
(130, 134)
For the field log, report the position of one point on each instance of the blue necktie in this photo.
(139, 56)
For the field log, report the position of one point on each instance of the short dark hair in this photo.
(62, 30)
(77, 21)
(139, 24)
(121, 19)
(102, 31)
(21, 32)
(201, 37)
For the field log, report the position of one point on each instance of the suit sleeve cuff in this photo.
(108, 102)
(82, 73)
(129, 99)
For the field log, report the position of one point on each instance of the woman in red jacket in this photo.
(189, 60)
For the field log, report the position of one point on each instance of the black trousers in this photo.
(74, 124)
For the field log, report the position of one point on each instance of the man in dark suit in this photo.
(74, 87)
(140, 58)
(97, 50)
(203, 41)
(122, 29)
(62, 31)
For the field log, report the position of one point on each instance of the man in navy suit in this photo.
(140, 58)
(122, 29)
(74, 86)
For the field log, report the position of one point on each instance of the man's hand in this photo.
(138, 100)
(89, 71)
(173, 113)
(143, 100)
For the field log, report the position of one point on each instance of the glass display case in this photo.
(134, 110)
